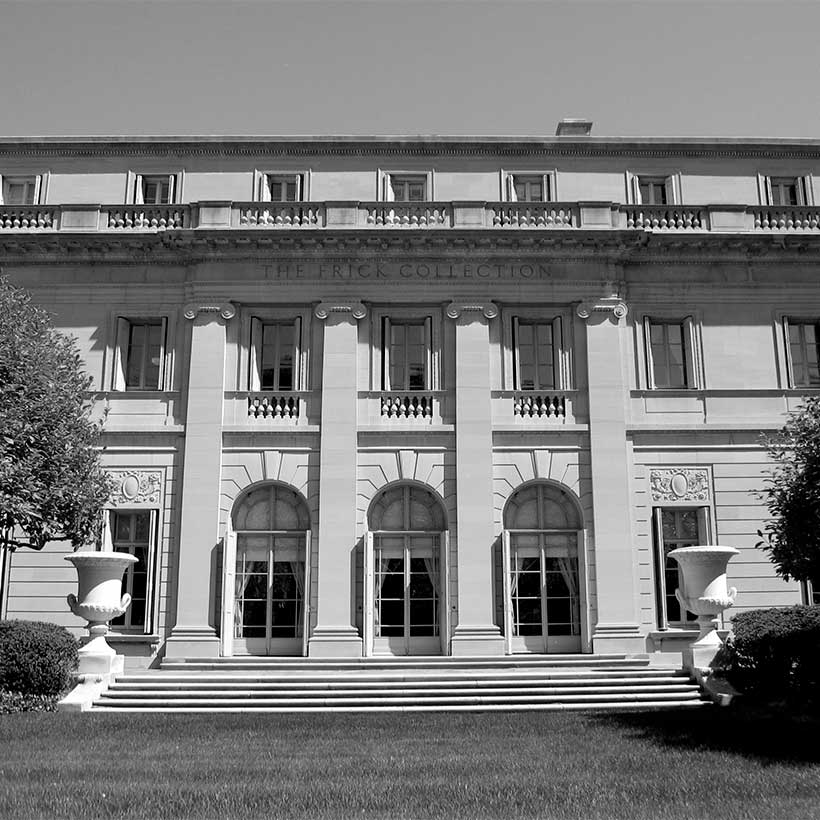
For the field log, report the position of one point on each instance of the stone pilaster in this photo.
(193, 635)
(476, 634)
(608, 348)
(334, 634)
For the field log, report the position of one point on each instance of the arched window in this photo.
(542, 591)
(406, 507)
(404, 585)
(270, 584)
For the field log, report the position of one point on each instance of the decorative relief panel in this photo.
(134, 488)
(680, 484)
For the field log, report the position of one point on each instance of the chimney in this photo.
(573, 127)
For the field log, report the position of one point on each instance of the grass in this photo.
(657, 765)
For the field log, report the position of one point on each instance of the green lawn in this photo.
(691, 764)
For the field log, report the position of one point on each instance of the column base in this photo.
(192, 642)
(477, 640)
(335, 642)
(621, 639)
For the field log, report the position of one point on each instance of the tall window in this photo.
(674, 528)
(273, 187)
(407, 188)
(275, 350)
(20, 190)
(672, 351)
(786, 190)
(653, 191)
(406, 354)
(131, 533)
(667, 346)
(536, 345)
(156, 190)
(141, 344)
(153, 189)
(803, 345)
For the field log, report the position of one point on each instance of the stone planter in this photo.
(99, 599)
(705, 593)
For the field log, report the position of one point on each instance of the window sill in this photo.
(132, 637)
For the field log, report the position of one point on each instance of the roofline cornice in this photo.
(343, 145)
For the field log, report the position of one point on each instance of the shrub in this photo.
(11, 702)
(774, 654)
(36, 658)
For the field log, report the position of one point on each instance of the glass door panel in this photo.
(406, 595)
(544, 593)
(270, 591)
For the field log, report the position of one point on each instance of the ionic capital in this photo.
(226, 309)
(606, 304)
(473, 309)
(354, 309)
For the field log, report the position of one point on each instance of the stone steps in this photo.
(400, 684)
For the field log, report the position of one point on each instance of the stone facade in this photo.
(454, 409)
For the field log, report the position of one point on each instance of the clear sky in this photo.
(668, 67)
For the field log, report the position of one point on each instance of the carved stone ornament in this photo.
(356, 309)
(224, 308)
(455, 309)
(606, 304)
(680, 484)
(136, 487)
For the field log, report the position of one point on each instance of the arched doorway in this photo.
(406, 573)
(543, 590)
(266, 586)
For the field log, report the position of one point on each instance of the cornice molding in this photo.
(472, 308)
(226, 309)
(352, 308)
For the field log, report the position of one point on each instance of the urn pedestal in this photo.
(705, 593)
(99, 599)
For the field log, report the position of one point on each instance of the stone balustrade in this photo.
(665, 218)
(273, 406)
(147, 217)
(588, 216)
(284, 215)
(786, 218)
(408, 215)
(532, 215)
(29, 217)
(539, 405)
(407, 406)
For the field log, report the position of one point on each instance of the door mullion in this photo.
(406, 594)
(269, 602)
(543, 573)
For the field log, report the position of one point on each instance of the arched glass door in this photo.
(266, 599)
(542, 580)
(406, 574)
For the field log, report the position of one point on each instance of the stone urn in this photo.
(99, 599)
(705, 593)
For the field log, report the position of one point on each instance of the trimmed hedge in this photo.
(36, 658)
(774, 654)
(13, 702)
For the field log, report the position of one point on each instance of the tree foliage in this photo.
(792, 535)
(51, 484)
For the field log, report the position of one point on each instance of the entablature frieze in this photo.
(216, 307)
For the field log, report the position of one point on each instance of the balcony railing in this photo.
(146, 217)
(664, 218)
(29, 217)
(561, 216)
(287, 215)
(285, 408)
(408, 215)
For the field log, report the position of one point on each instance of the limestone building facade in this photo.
(405, 395)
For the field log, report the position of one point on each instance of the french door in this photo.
(405, 575)
(542, 591)
(266, 600)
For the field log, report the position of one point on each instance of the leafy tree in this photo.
(52, 487)
(792, 536)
